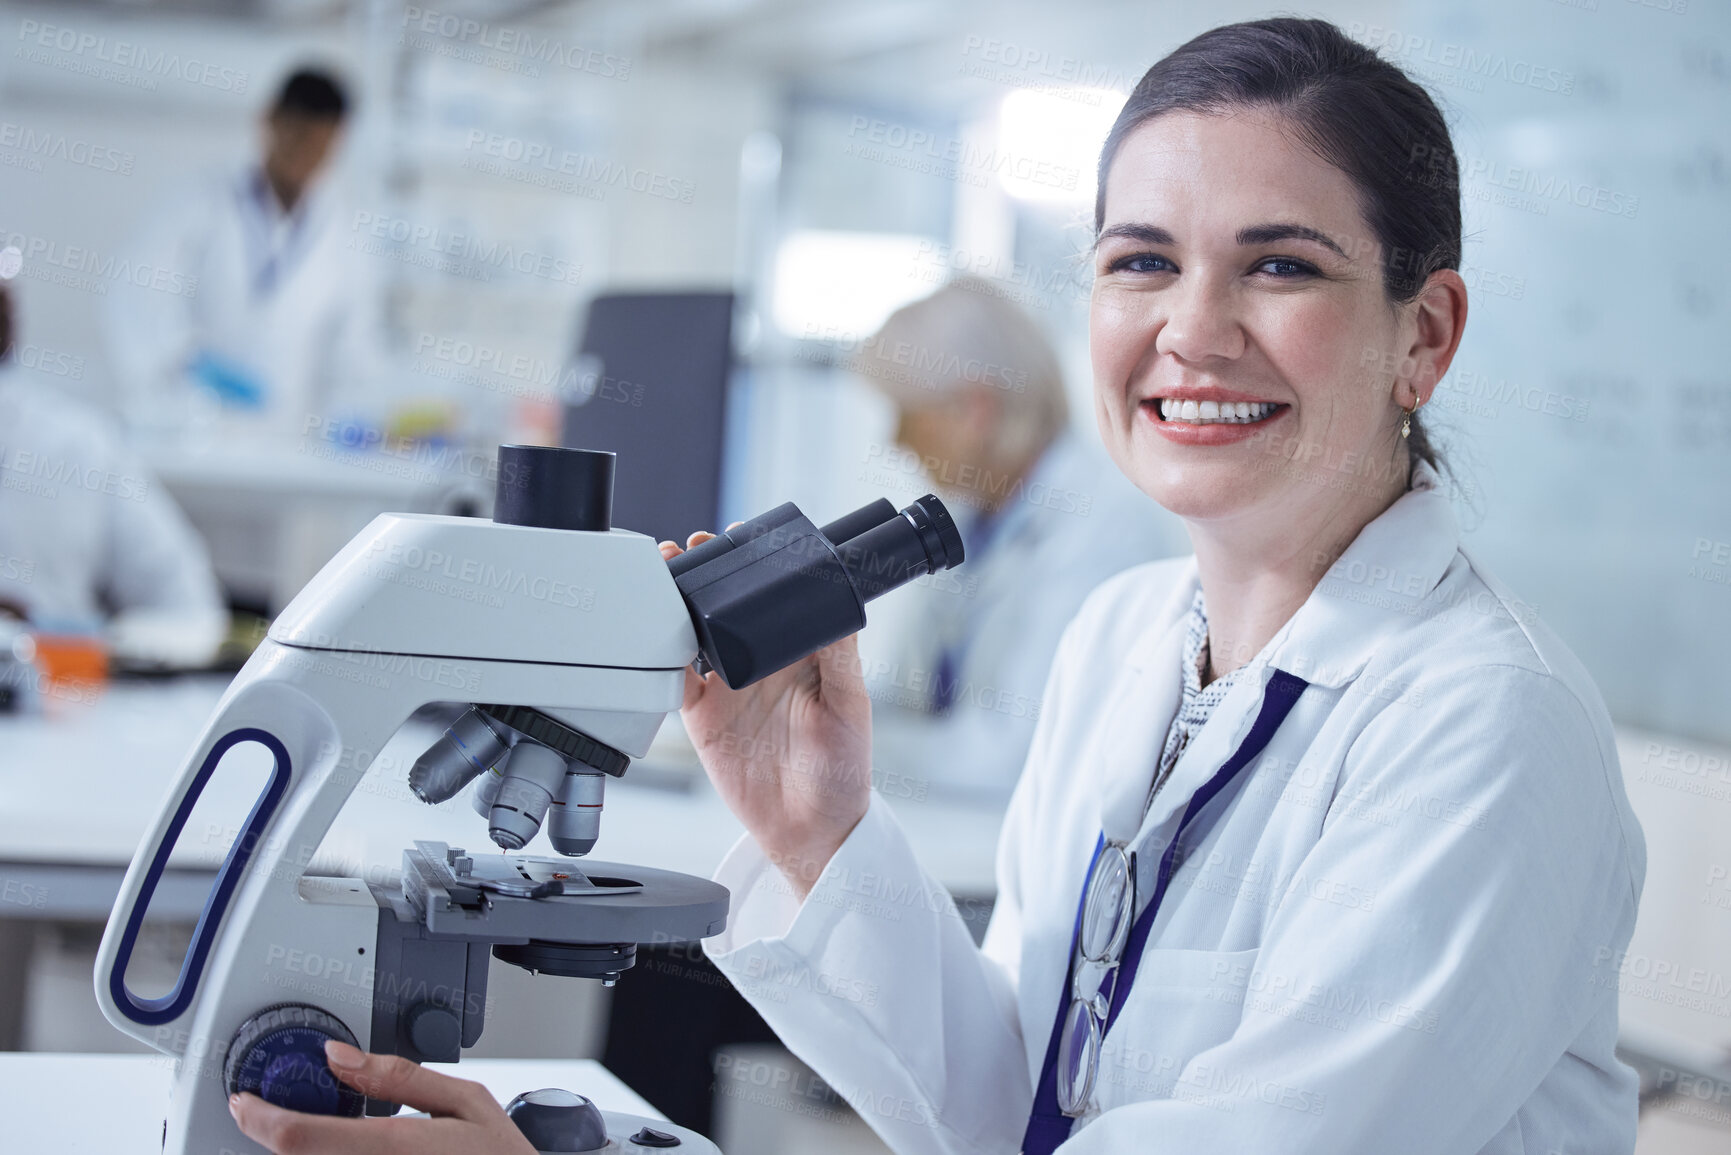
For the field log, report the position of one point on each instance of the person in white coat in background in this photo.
(272, 320)
(1322, 844)
(956, 665)
(90, 543)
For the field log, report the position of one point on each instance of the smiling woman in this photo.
(1342, 180)
(1278, 232)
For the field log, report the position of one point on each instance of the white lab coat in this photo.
(1074, 522)
(86, 531)
(287, 299)
(1399, 935)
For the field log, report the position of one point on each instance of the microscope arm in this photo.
(323, 729)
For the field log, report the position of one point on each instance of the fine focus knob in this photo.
(278, 1054)
(554, 488)
(555, 1120)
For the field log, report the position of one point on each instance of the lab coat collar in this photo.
(1376, 588)
(1380, 583)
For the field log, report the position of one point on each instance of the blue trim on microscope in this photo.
(165, 1008)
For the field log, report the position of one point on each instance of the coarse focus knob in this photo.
(554, 488)
(557, 1120)
(278, 1054)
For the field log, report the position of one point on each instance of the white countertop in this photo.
(309, 468)
(68, 1104)
(1676, 976)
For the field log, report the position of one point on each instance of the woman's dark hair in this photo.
(1356, 110)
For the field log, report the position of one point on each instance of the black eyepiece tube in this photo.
(938, 530)
(850, 525)
(777, 588)
(922, 539)
(730, 540)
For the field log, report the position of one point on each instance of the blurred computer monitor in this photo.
(652, 387)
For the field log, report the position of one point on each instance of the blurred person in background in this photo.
(268, 319)
(90, 544)
(957, 669)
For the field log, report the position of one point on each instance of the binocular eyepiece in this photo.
(774, 589)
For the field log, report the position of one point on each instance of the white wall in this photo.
(1616, 311)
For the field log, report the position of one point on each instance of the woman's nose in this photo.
(1199, 322)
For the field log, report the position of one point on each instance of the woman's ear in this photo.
(1435, 321)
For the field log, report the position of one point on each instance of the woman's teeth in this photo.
(1215, 412)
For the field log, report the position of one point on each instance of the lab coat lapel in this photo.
(1386, 578)
(1224, 731)
(1144, 701)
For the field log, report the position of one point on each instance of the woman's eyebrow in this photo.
(1250, 235)
(1145, 234)
(1263, 234)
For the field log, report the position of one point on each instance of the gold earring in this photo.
(1406, 422)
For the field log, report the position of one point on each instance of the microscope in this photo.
(560, 644)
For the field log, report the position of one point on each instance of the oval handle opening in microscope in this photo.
(166, 1008)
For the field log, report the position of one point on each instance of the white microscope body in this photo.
(589, 630)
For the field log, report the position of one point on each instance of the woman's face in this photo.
(1234, 266)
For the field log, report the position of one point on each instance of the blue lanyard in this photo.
(1047, 1125)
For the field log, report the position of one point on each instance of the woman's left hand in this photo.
(466, 1120)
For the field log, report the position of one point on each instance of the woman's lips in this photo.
(1189, 426)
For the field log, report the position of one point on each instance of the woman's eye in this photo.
(1286, 267)
(1141, 263)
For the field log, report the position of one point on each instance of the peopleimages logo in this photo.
(84, 268)
(514, 43)
(1475, 63)
(921, 150)
(45, 475)
(159, 63)
(1544, 187)
(585, 169)
(44, 145)
(472, 253)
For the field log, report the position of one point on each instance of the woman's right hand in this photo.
(790, 754)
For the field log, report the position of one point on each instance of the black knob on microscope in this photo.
(557, 1120)
(554, 488)
(435, 1031)
(278, 1054)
